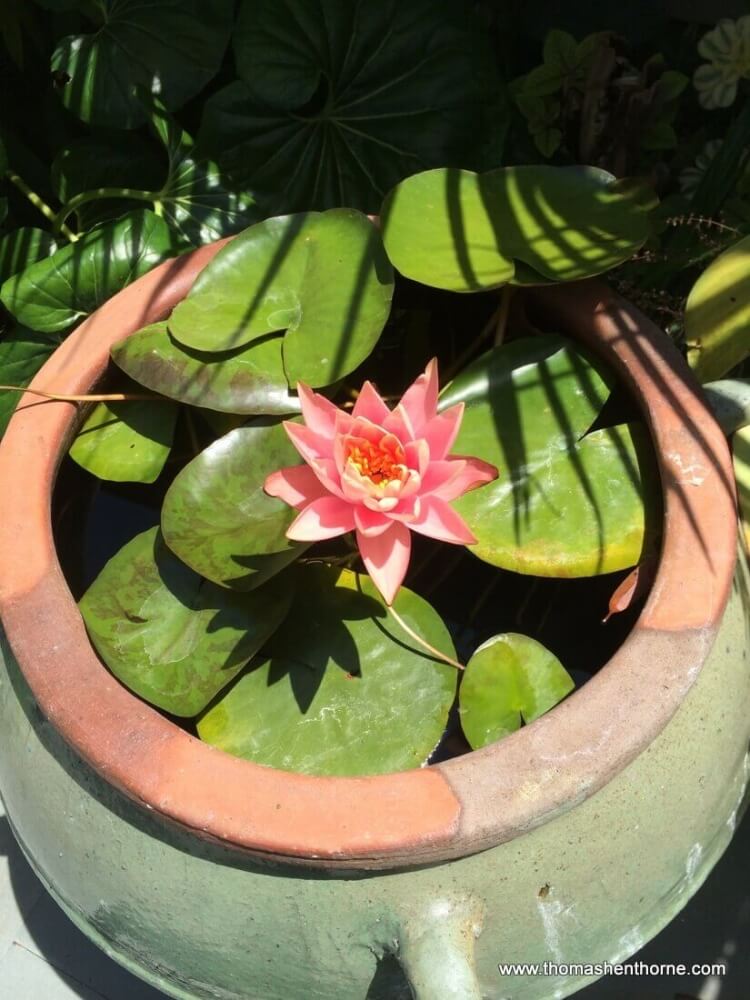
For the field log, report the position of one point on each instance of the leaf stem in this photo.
(107, 397)
(502, 315)
(40, 204)
(422, 642)
(97, 194)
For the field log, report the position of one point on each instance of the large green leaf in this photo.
(563, 504)
(89, 164)
(21, 248)
(340, 99)
(173, 638)
(729, 399)
(126, 442)
(322, 277)
(510, 678)
(248, 380)
(54, 293)
(217, 517)
(344, 689)
(171, 48)
(717, 314)
(462, 231)
(22, 354)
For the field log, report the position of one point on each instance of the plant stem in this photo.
(97, 194)
(422, 642)
(107, 397)
(40, 204)
(466, 355)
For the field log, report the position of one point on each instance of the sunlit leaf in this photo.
(322, 277)
(21, 248)
(462, 231)
(173, 638)
(22, 354)
(343, 690)
(511, 678)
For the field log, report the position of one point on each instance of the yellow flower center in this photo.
(381, 463)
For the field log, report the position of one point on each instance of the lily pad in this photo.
(127, 442)
(22, 354)
(170, 47)
(249, 380)
(717, 314)
(23, 247)
(62, 289)
(322, 277)
(173, 638)
(511, 678)
(340, 99)
(344, 690)
(464, 232)
(729, 399)
(219, 520)
(563, 504)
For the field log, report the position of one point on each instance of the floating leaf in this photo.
(340, 100)
(21, 248)
(510, 678)
(171, 48)
(249, 380)
(462, 231)
(563, 504)
(344, 690)
(173, 638)
(66, 287)
(323, 277)
(126, 442)
(22, 354)
(717, 314)
(217, 517)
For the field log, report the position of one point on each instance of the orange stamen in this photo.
(377, 462)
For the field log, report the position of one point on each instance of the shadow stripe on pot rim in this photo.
(414, 817)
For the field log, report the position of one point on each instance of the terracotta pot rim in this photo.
(426, 815)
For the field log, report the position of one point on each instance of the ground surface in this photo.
(44, 957)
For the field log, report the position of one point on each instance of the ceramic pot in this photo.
(574, 840)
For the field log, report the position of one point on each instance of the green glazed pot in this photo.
(573, 841)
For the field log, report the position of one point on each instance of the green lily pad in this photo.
(249, 380)
(22, 354)
(62, 289)
(322, 277)
(171, 637)
(23, 247)
(171, 48)
(717, 314)
(563, 504)
(511, 678)
(462, 231)
(344, 690)
(219, 520)
(339, 100)
(127, 442)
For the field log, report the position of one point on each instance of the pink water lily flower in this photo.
(382, 473)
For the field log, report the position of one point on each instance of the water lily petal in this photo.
(441, 432)
(296, 485)
(437, 520)
(420, 399)
(369, 522)
(370, 404)
(398, 422)
(386, 558)
(417, 455)
(319, 413)
(308, 442)
(326, 517)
